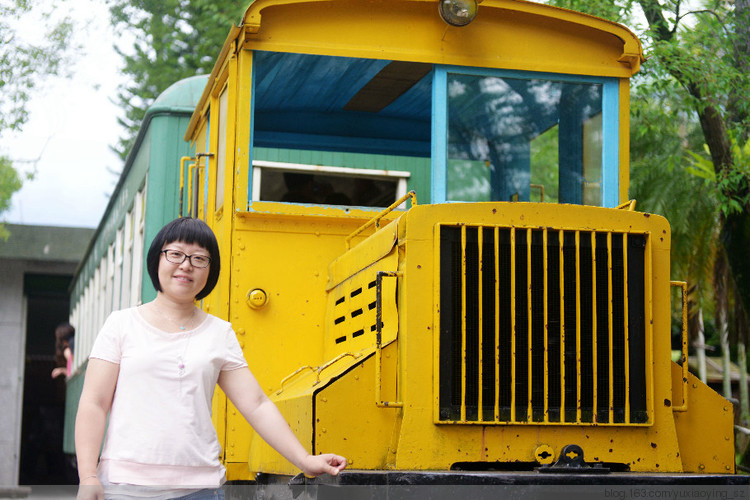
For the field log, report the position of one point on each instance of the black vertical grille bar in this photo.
(537, 326)
(602, 328)
(586, 315)
(506, 332)
(522, 328)
(553, 325)
(488, 324)
(571, 320)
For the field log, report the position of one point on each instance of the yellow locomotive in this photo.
(521, 306)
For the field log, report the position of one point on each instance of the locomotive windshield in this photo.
(511, 139)
(461, 135)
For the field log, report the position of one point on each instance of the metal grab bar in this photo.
(317, 369)
(411, 194)
(379, 342)
(291, 375)
(628, 205)
(183, 160)
(683, 286)
(540, 187)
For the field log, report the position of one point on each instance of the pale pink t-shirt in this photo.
(160, 431)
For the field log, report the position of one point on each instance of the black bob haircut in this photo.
(185, 230)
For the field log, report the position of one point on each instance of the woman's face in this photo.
(182, 282)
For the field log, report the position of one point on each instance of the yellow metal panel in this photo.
(296, 407)
(706, 429)
(562, 321)
(295, 401)
(610, 329)
(480, 347)
(397, 29)
(626, 325)
(351, 309)
(373, 248)
(594, 329)
(546, 331)
(463, 324)
(529, 343)
(513, 325)
(348, 422)
(578, 327)
(497, 328)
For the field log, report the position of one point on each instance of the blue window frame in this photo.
(510, 135)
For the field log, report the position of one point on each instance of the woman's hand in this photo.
(327, 463)
(90, 489)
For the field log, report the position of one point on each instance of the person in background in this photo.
(153, 369)
(64, 335)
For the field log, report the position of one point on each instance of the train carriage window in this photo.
(514, 139)
(315, 184)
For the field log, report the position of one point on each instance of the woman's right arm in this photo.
(93, 407)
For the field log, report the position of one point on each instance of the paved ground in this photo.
(40, 492)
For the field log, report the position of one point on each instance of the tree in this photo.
(175, 39)
(704, 68)
(10, 182)
(24, 65)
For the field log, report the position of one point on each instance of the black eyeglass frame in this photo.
(186, 257)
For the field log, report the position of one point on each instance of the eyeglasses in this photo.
(177, 257)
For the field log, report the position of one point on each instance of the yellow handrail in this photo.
(683, 286)
(411, 194)
(540, 187)
(291, 375)
(379, 342)
(629, 205)
(183, 160)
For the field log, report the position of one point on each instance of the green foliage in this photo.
(613, 10)
(662, 184)
(10, 182)
(174, 39)
(732, 186)
(544, 165)
(23, 64)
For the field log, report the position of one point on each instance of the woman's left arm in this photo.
(243, 390)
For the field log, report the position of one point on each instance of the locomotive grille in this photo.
(542, 326)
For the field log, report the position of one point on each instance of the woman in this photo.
(153, 369)
(64, 334)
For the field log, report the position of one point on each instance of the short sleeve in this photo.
(234, 358)
(108, 344)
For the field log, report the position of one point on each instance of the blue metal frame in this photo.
(610, 124)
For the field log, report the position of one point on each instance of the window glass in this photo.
(325, 185)
(523, 139)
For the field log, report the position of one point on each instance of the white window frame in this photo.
(400, 175)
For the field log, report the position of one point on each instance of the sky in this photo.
(73, 123)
